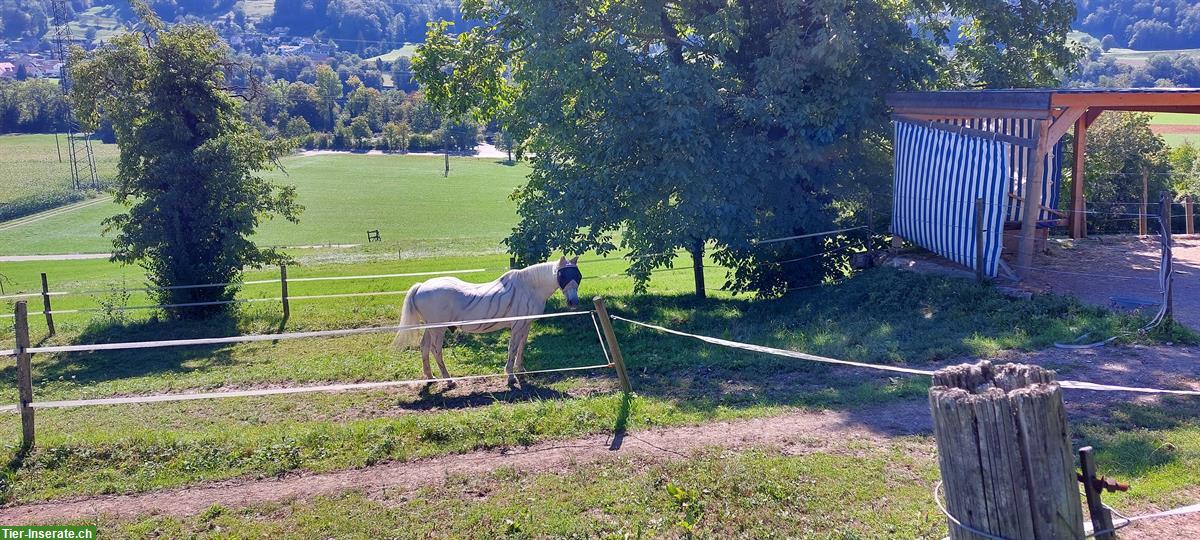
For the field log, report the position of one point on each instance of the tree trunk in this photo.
(698, 267)
(446, 153)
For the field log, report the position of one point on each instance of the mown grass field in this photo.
(33, 179)
(415, 209)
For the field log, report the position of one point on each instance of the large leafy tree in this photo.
(704, 125)
(189, 163)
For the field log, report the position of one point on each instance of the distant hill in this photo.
(1144, 25)
(361, 26)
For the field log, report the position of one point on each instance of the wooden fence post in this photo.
(1101, 518)
(283, 292)
(1189, 217)
(979, 275)
(24, 375)
(46, 305)
(611, 337)
(1004, 452)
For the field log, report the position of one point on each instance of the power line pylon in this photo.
(79, 145)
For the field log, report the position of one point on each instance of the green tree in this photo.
(660, 125)
(360, 132)
(396, 136)
(329, 88)
(1185, 170)
(1120, 148)
(189, 169)
(297, 128)
(1009, 44)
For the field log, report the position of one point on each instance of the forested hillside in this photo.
(351, 23)
(1141, 24)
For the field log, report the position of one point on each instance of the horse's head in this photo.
(569, 278)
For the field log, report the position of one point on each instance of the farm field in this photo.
(415, 209)
(409, 49)
(32, 179)
(1177, 128)
(1138, 58)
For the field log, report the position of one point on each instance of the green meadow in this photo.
(405, 198)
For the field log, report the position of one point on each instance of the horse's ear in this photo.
(575, 260)
(562, 261)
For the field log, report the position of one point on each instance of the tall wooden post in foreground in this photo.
(1005, 453)
(24, 375)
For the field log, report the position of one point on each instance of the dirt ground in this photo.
(1099, 270)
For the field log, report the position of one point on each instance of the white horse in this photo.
(516, 293)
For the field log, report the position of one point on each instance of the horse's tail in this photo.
(406, 338)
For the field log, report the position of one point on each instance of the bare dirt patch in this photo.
(1167, 129)
(795, 433)
(1145, 366)
(1099, 270)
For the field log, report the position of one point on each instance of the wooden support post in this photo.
(283, 292)
(1004, 452)
(46, 305)
(1078, 228)
(611, 337)
(1033, 199)
(1101, 518)
(24, 375)
(979, 274)
(1189, 217)
(1145, 203)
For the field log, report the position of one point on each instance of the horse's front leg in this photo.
(516, 350)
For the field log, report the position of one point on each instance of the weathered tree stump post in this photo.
(1004, 452)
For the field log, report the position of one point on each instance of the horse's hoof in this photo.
(512, 382)
(451, 385)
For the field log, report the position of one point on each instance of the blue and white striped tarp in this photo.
(938, 176)
(1018, 157)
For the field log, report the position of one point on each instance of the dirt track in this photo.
(797, 433)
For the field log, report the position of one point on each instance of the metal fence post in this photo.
(287, 308)
(611, 337)
(979, 240)
(1101, 518)
(46, 304)
(24, 375)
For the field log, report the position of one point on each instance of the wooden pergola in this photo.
(1055, 111)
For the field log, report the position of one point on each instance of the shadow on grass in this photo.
(1130, 441)
(430, 398)
(100, 366)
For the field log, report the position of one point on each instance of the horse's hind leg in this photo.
(438, 340)
(426, 346)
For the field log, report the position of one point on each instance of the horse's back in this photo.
(448, 299)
